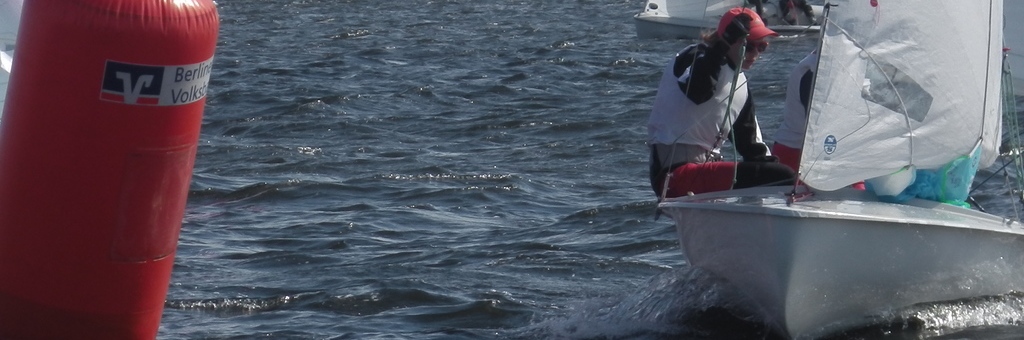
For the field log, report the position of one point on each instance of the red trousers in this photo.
(700, 178)
(791, 158)
(787, 155)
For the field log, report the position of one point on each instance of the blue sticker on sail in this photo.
(163, 85)
(830, 144)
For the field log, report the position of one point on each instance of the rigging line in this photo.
(1010, 124)
(1009, 117)
(719, 141)
(827, 8)
(723, 101)
(672, 149)
(707, 3)
(726, 119)
(728, 108)
(994, 173)
(988, 66)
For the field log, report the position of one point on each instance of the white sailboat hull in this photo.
(833, 260)
(687, 19)
(652, 26)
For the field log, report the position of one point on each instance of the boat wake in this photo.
(692, 304)
(681, 303)
(986, 317)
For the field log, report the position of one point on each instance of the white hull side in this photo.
(828, 263)
(662, 24)
(663, 27)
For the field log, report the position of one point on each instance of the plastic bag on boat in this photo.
(892, 184)
(949, 184)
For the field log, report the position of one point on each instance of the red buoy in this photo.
(97, 144)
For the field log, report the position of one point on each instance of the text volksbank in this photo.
(156, 85)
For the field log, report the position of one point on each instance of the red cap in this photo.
(757, 28)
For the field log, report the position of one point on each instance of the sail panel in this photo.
(904, 83)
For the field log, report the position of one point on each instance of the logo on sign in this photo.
(830, 144)
(137, 84)
(132, 84)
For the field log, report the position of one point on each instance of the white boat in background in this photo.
(1015, 41)
(10, 18)
(686, 19)
(821, 257)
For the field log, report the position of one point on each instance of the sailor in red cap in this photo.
(739, 22)
(702, 101)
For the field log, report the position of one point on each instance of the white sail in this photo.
(885, 100)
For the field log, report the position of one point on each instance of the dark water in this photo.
(454, 169)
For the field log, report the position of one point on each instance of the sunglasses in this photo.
(759, 46)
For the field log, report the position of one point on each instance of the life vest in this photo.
(675, 119)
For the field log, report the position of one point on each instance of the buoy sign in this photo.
(136, 84)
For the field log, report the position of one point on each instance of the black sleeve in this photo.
(699, 87)
(745, 129)
(805, 88)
